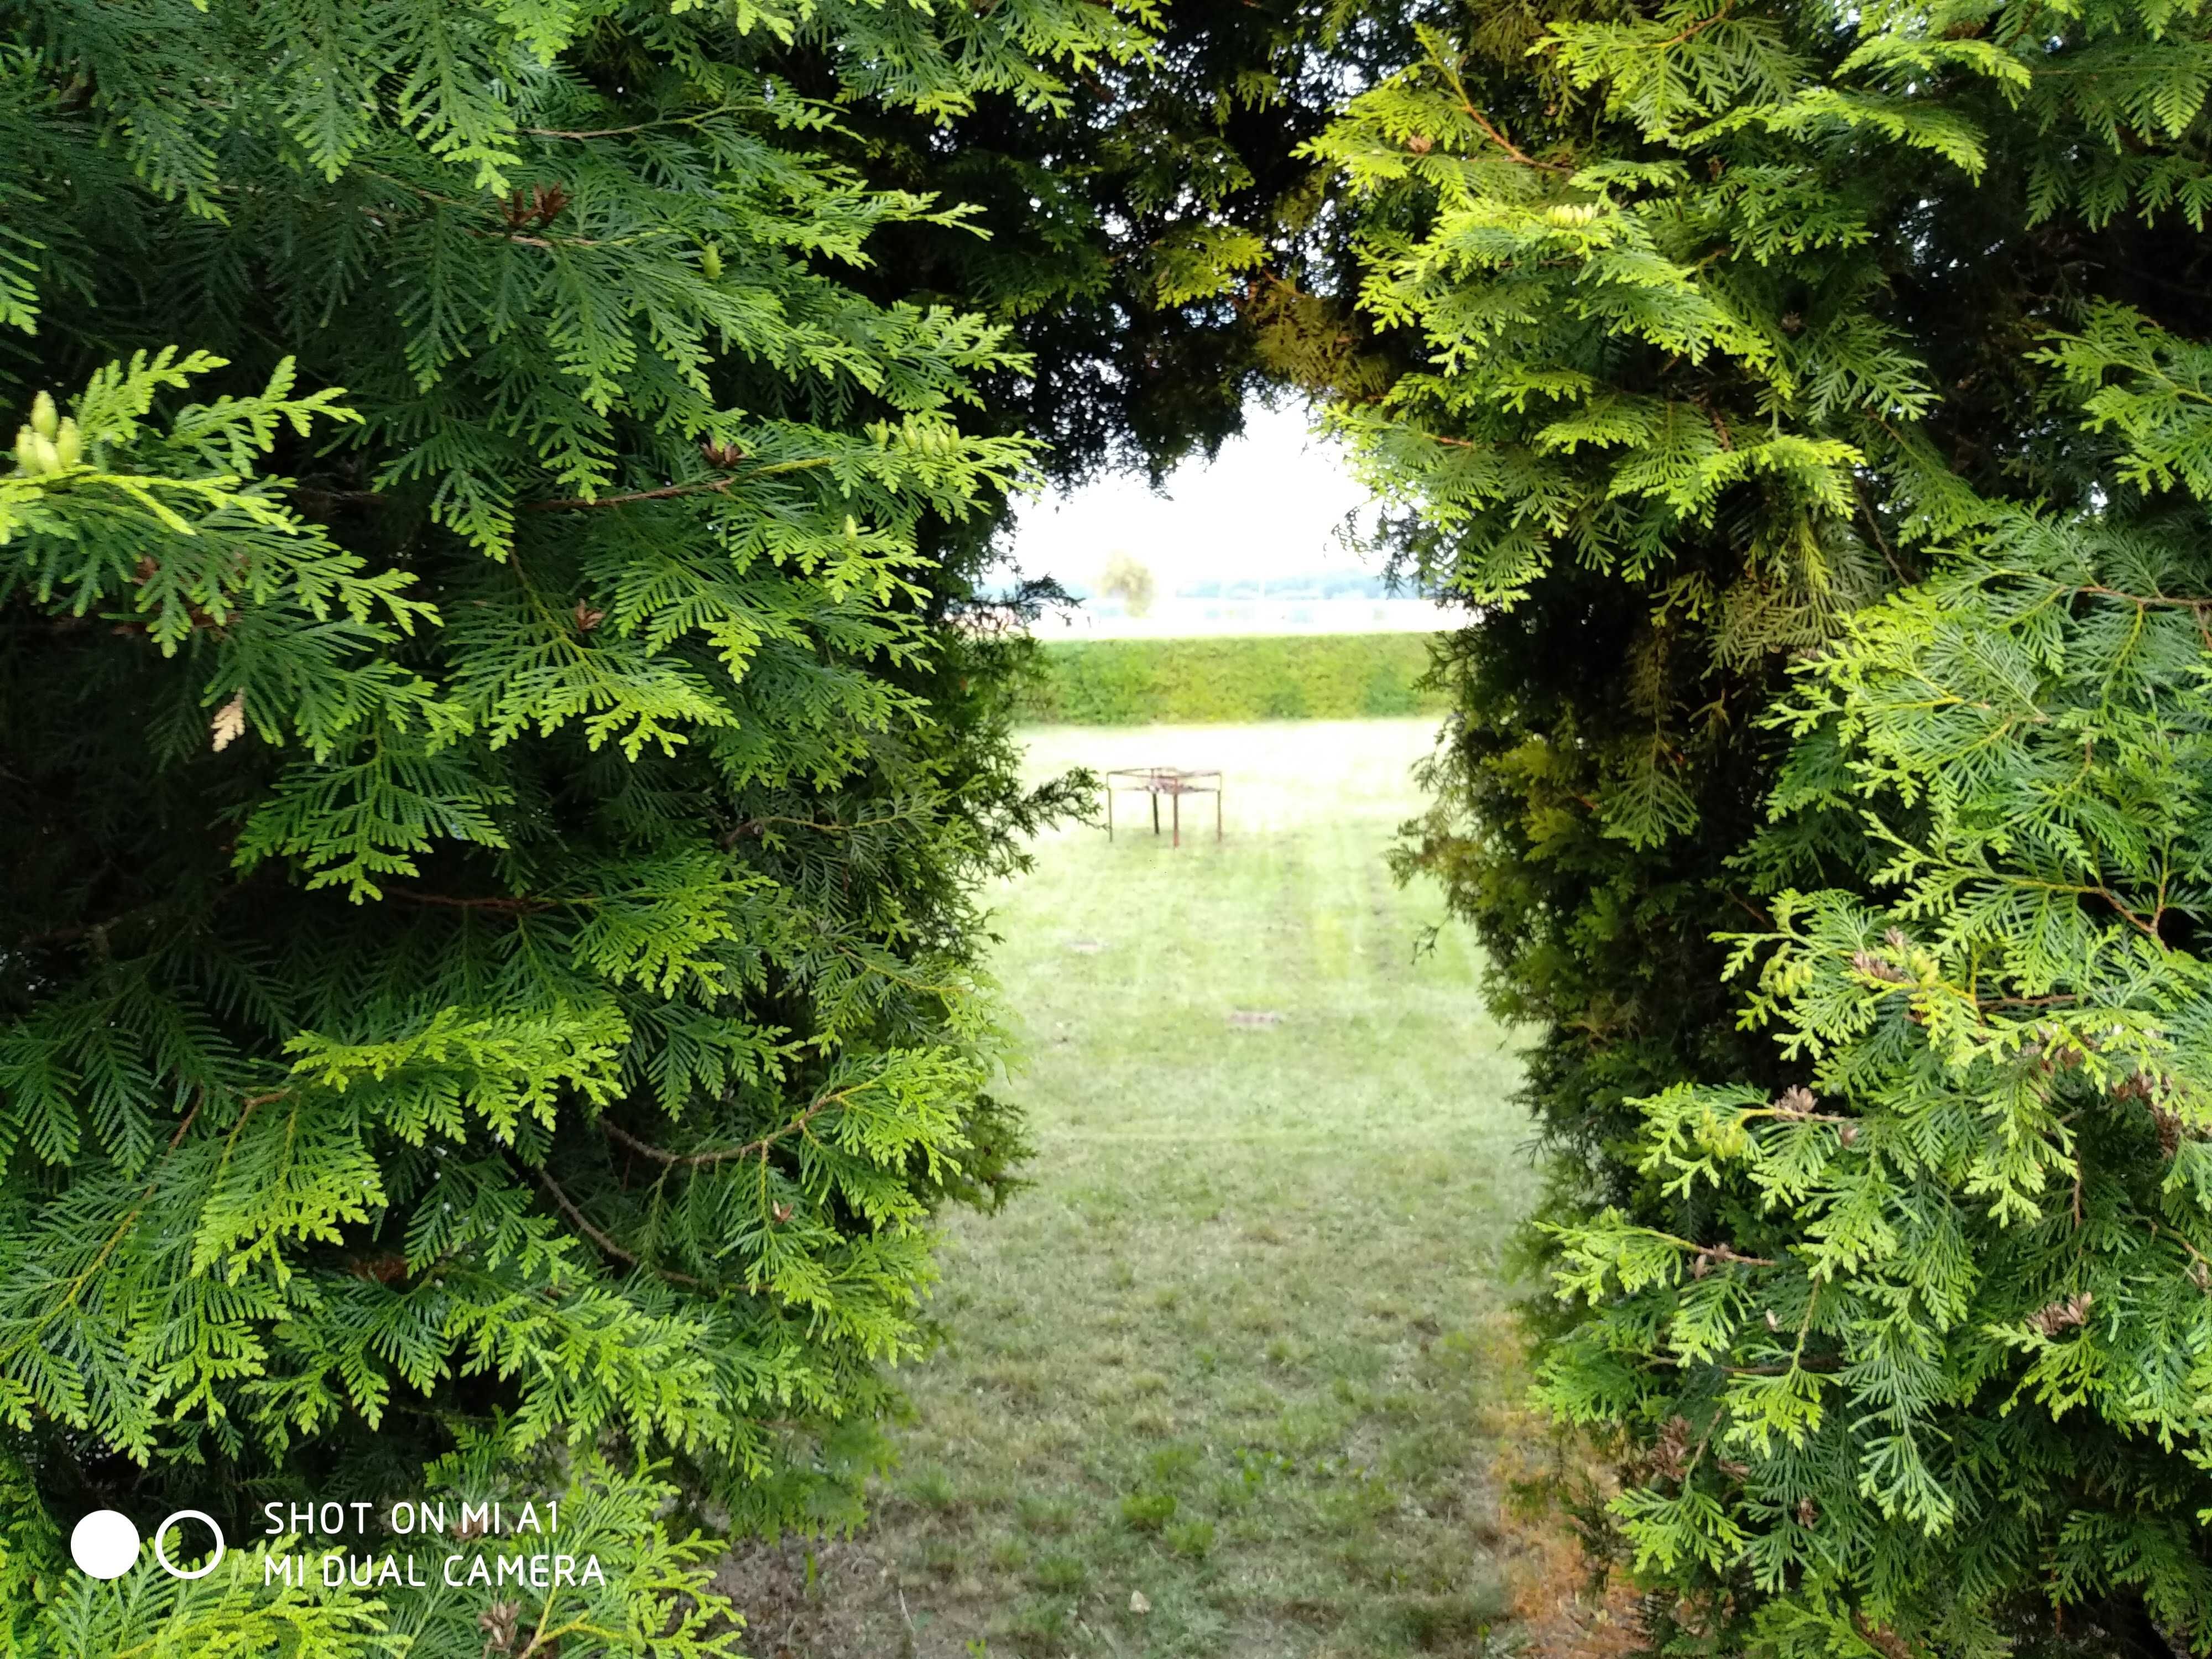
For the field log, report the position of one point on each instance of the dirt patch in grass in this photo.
(1254, 1019)
(1564, 1605)
(824, 1599)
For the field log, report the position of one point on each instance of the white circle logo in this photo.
(162, 1555)
(105, 1544)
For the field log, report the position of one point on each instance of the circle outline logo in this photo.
(162, 1554)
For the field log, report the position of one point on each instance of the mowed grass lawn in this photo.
(1231, 1377)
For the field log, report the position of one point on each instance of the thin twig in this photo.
(726, 1154)
(605, 1244)
(1866, 511)
(1721, 1253)
(1467, 102)
(199, 1099)
(624, 132)
(666, 492)
(1699, 27)
(523, 906)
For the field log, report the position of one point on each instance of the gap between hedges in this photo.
(1232, 678)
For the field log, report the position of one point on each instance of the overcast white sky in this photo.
(1271, 504)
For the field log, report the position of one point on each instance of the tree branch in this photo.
(606, 1245)
(666, 492)
(661, 1155)
(517, 906)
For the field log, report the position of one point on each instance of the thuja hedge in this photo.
(498, 742)
(1325, 677)
(1810, 403)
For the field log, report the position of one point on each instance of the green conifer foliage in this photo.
(1806, 400)
(486, 965)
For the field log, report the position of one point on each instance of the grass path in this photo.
(1226, 1379)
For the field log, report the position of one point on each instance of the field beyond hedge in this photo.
(1234, 1377)
(1232, 678)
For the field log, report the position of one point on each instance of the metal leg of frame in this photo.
(1175, 810)
(1155, 794)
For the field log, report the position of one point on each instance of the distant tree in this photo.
(1130, 580)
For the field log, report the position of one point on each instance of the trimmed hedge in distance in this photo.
(1230, 678)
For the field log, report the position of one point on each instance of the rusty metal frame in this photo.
(1173, 781)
